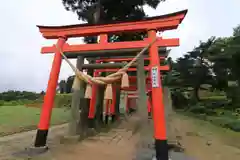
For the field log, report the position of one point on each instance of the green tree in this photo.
(236, 31)
(106, 11)
(62, 86)
(214, 62)
(192, 70)
(69, 84)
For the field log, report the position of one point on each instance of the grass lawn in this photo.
(15, 119)
(228, 136)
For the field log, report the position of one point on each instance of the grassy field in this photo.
(228, 136)
(15, 119)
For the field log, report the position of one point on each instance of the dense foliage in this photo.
(19, 95)
(211, 67)
(106, 11)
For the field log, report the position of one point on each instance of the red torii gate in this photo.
(104, 48)
(130, 88)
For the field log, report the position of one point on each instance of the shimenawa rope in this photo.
(110, 78)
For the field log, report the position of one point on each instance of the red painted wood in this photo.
(157, 95)
(162, 68)
(172, 42)
(165, 22)
(121, 59)
(93, 100)
(46, 112)
(103, 38)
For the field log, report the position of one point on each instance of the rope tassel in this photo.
(125, 81)
(88, 92)
(108, 92)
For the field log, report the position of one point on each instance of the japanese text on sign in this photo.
(155, 77)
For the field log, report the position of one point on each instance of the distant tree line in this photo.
(19, 95)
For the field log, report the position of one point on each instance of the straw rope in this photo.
(110, 78)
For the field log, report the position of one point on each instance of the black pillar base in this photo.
(149, 115)
(161, 148)
(113, 118)
(101, 118)
(106, 119)
(41, 138)
(91, 123)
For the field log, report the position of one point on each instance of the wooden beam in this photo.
(119, 46)
(164, 22)
(114, 53)
(147, 68)
(122, 59)
(105, 65)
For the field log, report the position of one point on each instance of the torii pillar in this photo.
(160, 135)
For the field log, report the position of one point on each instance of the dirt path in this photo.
(17, 142)
(118, 143)
(200, 141)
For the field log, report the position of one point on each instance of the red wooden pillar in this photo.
(149, 107)
(46, 112)
(161, 145)
(108, 101)
(93, 100)
(112, 108)
(104, 39)
(149, 101)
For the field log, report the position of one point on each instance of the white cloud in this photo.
(23, 67)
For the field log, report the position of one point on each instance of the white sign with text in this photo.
(155, 77)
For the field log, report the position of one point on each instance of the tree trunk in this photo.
(195, 96)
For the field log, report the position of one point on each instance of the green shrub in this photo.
(235, 126)
(226, 122)
(16, 102)
(220, 121)
(60, 101)
(178, 99)
(10, 103)
(197, 109)
(17, 95)
(1, 102)
(63, 100)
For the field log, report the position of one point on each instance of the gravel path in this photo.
(18, 142)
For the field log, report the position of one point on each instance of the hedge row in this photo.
(61, 100)
(224, 119)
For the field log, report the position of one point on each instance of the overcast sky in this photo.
(22, 67)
